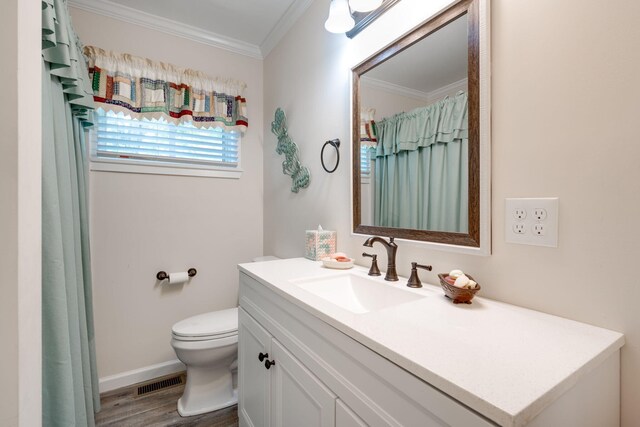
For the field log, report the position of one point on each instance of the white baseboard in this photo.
(124, 379)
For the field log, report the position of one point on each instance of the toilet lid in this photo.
(222, 322)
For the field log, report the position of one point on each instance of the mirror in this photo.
(421, 133)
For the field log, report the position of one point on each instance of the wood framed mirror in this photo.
(421, 134)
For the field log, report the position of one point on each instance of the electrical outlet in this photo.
(532, 221)
(540, 214)
(538, 229)
(519, 213)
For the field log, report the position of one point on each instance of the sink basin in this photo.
(357, 294)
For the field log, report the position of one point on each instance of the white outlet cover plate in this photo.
(550, 223)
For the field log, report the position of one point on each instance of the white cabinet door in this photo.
(345, 417)
(299, 398)
(253, 378)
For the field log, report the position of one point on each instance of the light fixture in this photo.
(364, 5)
(339, 20)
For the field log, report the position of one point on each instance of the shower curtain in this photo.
(421, 168)
(69, 380)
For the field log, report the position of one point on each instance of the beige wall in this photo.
(20, 251)
(141, 224)
(564, 115)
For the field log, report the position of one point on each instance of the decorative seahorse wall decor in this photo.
(291, 166)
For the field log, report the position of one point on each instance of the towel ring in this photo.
(336, 144)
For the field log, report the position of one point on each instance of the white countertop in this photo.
(505, 362)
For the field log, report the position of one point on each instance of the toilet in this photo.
(208, 346)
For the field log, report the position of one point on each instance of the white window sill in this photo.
(169, 169)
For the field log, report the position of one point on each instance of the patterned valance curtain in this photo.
(146, 89)
(368, 128)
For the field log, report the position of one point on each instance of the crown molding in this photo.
(394, 88)
(448, 89)
(284, 24)
(133, 16)
(412, 93)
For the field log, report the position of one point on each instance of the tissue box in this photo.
(320, 244)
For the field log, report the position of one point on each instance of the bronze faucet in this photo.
(374, 270)
(414, 279)
(391, 248)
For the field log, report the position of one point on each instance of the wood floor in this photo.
(123, 408)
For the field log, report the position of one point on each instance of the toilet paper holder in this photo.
(163, 275)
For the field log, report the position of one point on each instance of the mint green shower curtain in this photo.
(421, 168)
(69, 379)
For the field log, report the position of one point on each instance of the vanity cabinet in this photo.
(345, 417)
(275, 388)
(321, 377)
(254, 385)
(424, 362)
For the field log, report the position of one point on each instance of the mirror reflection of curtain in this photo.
(421, 168)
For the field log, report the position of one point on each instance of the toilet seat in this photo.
(208, 326)
(204, 337)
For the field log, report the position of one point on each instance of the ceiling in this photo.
(254, 27)
(251, 27)
(432, 63)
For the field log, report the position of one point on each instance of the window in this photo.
(365, 163)
(157, 146)
(161, 118)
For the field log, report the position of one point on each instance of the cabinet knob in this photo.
(269, 363)
(262, 356)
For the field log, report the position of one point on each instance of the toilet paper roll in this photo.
(177, 278)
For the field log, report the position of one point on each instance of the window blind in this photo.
(121, 137)
(365, 161)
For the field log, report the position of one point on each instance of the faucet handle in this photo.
(374, 270)
(414, 280)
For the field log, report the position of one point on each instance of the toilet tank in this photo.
(264, 258)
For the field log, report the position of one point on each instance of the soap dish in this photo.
(458, 295)
(332, 263)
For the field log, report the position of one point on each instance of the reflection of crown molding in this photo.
(133, 16)
(284, 24)
(412, 93)
(448, 89)
(394, 88)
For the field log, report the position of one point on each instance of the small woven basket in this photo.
(455, 294)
